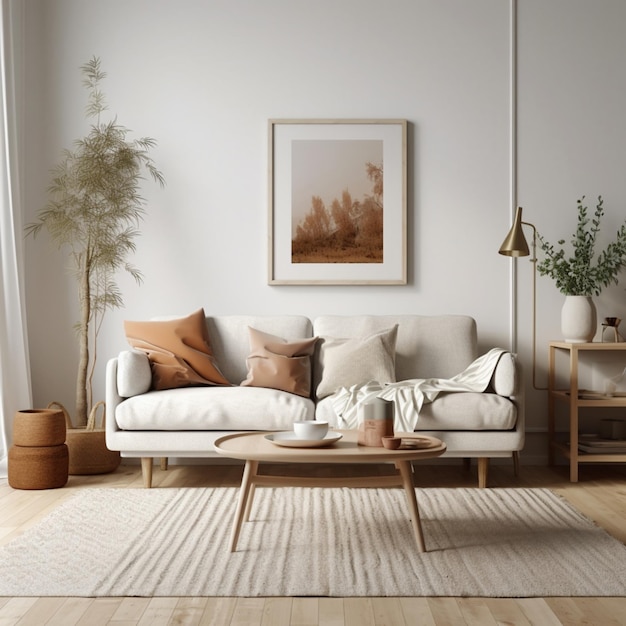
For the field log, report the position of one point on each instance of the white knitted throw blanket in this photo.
(409, 396)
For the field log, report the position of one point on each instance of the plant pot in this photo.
(578, 319)
(88, 451)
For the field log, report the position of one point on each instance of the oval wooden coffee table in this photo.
(255, 448)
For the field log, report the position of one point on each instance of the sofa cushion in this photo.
(179, 351)
(347, 362)
(213, 408)
(230, 343)
(277, 363)
(448, 412)
(133, 373)
(427, 346)
(468, 411)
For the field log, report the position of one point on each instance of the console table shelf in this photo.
(576, 398)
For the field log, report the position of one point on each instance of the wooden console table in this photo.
(572, 397)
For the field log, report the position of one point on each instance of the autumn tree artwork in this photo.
(343, 222)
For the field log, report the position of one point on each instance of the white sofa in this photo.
(185, 422)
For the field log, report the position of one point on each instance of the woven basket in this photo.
(87, 446)
(38, 427)
(43, 467)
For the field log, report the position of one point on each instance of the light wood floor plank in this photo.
(593, 611)
(70, 612)
(358, 612)
(616, 607)
(537, 611)
(130, 610)
(446, 612)
(40, 611)
(188, 611)
(218, 611)
(387, 611)
(277, 612)
(507, 611)
(416, 612)
(475, 612)
(331, 612)
(14, 609)
(100, 612)
(305, 612)
(248, 612)
(566, 610)
(158, 612)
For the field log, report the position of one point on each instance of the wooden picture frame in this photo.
(337, 202)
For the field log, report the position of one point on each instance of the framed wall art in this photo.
(337, 202)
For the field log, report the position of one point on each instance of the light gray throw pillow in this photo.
(347, 362)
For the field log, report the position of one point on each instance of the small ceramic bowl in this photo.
(392, 443)
(310, 429)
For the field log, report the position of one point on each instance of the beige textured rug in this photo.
(314, 542)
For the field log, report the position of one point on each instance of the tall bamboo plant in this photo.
(93, 212)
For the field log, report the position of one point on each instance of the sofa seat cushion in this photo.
(213, 408)
(449, 411)
(468, 411)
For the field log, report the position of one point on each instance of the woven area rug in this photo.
(313, 542)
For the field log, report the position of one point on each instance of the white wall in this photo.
(203, 78)
(572, 143)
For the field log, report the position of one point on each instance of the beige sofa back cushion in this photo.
(426, 346)
(230, 338)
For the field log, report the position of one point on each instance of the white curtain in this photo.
(15, 390)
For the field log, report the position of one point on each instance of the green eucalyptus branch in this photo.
(584, 273)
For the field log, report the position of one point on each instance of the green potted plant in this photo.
(583, 273)
(93, 212)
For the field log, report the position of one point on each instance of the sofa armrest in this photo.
(113, 400)
(505, 379)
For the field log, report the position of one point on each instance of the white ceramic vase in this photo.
(578, 319)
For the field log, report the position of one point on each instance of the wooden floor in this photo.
(600, 494)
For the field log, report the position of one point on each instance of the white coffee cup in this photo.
(310, 429)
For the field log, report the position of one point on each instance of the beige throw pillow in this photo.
(347, 362)
(179, 351)
(279, 364)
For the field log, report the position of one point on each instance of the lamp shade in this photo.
(515, 243)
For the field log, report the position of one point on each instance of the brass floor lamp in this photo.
(515, 245)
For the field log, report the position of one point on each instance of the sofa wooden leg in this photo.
(516, 462)
(146, 471)
(483, 470)
(164, 463)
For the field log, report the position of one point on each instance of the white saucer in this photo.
(288, 439)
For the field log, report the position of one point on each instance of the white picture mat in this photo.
(393, 268)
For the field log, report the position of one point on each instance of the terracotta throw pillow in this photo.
(279, 364)
(179, 351)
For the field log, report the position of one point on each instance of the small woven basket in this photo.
(87, 446)
(38, 427)
(42, 467)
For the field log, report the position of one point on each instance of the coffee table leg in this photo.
(249, 472)
(246, 514)
(407, 481)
